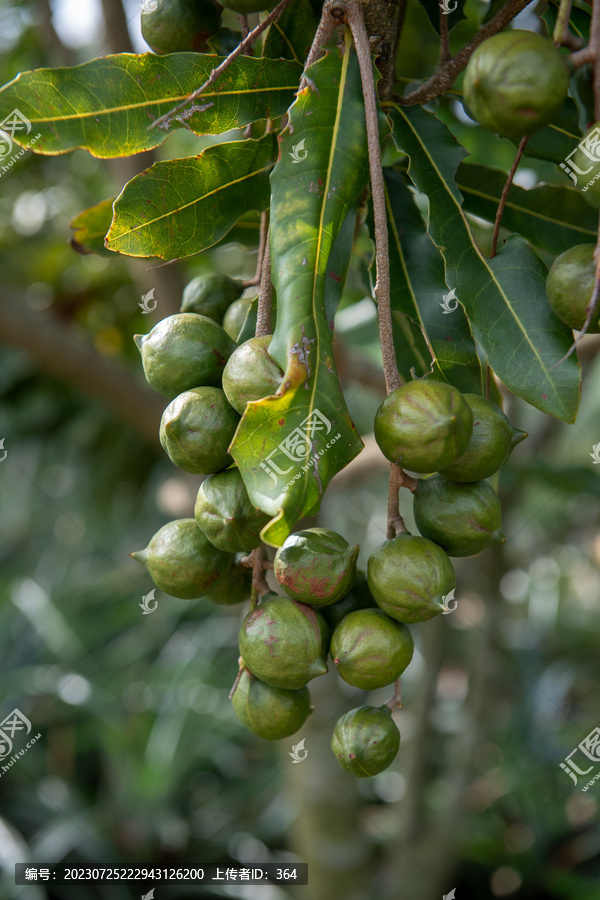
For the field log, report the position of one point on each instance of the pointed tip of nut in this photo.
(140, 555)
(518, 436)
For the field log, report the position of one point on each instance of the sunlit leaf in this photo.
(182, 206)
(288, 447)
(106, 105)
(90, 227)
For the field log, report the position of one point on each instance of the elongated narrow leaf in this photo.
(292, 34)
(551, 216)
(289, 446)
(504, 298)
(419, 293)
(106, 105)
(90, 227)
(182, 206)
(338, 265)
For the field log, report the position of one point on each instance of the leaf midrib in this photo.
(332, 151)
(533, 213)
(481, 258)
(179, 209)
(169, 101)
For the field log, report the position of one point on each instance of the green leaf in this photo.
(418, 289)
(293, 32)
(550, 216)
(579, 20)
(90, 227)
(504, 298)
(288, 447)
(106, 105)
(338, 265)
(182, 206)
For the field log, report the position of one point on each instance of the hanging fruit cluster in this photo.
(328, 609)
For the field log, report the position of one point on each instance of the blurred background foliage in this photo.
(141, 760)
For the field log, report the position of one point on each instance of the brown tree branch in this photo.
(445, 54)
(264, 314)
(504, 195)
(444, 76)
(561, 26)
(245, 44)
(327, 25)
(395, 701)
(395, 522)
(382, 286)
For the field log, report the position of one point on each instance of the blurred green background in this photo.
(141, 760)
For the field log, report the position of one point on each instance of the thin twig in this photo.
(264, 315)
(395, 522)
(445, 53)
(444, 76)
(241, 48)
(248, 561)
(244, 27)
(595, 48)
(241, 668)
(395, 701)
(262, 244)
(504, 195)
(327, 25)
(382, 284)
(561, 26)
(387, 82)
(259, 584)
(581, 58)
